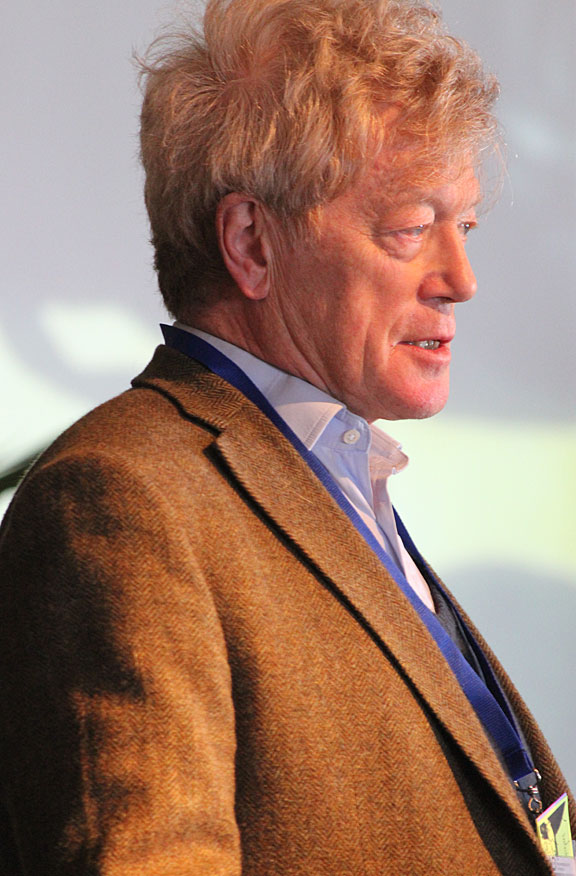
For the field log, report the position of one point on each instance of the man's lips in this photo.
(424, 345)
(429, 351)
(431, 343)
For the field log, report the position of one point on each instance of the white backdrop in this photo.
(490, 494)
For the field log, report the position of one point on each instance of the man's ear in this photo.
(244, 243)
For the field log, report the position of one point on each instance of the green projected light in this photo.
(487, 491)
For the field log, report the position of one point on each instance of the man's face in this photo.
(369, 305)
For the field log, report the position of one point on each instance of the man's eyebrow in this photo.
(421, 197)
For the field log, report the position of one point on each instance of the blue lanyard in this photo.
(487, 699)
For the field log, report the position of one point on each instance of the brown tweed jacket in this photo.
(206, 672)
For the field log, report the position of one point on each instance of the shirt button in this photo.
(351, 436)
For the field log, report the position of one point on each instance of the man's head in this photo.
(283, 100)
(289, 128)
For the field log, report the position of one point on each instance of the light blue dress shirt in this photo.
(359, 456)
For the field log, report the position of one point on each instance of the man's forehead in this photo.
(387, 185)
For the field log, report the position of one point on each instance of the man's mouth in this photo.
(424, 345)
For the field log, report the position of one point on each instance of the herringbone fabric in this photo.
(206, 672)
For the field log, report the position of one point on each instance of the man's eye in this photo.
(414, 233)
(466, 228)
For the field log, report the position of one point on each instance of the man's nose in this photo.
(451, 276)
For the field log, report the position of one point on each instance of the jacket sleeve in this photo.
(117, 730)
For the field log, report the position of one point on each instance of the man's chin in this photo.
(419, 408)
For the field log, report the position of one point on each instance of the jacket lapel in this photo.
(282, 484)
(296, 501)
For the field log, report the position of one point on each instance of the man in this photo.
(221, 651)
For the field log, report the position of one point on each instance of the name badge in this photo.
(553, 828)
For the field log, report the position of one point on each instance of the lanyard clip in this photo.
(529, 793)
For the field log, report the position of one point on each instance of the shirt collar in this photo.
(307, 409)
